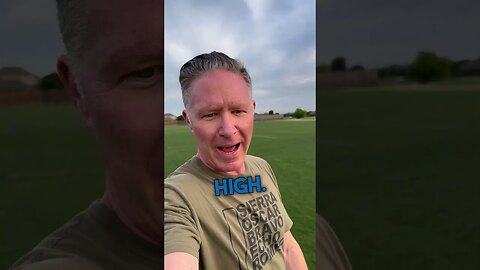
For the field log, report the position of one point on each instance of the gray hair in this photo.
(202, 63)
(72, 18)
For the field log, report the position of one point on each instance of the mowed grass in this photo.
(398, 174)
(50, 170)
(289, 147)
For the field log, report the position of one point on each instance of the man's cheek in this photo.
(155, 160)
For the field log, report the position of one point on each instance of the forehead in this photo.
(218, 87)
(105, 15)
(124, 26)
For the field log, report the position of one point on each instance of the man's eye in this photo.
(238, 112)
(146, 73)
(144, 77)
(208, 116)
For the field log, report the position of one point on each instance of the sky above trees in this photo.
(376, 33)
(275, 39)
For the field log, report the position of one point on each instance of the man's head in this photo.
(114, 75)
(219, 110)
(206, 62)
(72, 20)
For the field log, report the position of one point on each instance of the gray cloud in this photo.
(376, 33)
(275, 40)
(30, 35)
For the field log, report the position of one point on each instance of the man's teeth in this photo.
(229, 149)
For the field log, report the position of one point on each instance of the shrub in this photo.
(299, 113)
(429, 67)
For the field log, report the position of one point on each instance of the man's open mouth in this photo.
(229, 149)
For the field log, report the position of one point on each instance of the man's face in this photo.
(220, 115)
(120, 73)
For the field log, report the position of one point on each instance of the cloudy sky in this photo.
(375, 33)
(274, 39)
(29, 35)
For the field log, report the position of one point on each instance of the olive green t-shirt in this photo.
(94, 239)
(227, 222)
(330, 254)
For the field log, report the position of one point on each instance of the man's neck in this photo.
(143, 216)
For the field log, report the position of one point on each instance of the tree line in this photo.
(426, 67)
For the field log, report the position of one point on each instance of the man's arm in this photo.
(180, 261)
(294, 259)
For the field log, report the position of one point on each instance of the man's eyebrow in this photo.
(208, 108)
(129, 56)
(132, 55)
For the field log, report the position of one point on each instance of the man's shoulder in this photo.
(250, 158)
(56, 250)
(192, 172)
(189, 180)
(94, 239)
(58, 261)
(256, 163)
(185, 170)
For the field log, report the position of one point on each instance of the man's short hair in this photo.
(200, 64)
(72, 22)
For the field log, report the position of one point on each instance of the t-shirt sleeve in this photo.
(181, 231)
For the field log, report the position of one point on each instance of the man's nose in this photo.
(228, 127)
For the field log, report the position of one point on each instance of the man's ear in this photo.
(66, 75)
(187, 120)
(254, 105)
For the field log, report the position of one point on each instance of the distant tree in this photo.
(338, 64)
(358, 67)
(180, 118)
(429, 67)
(299, 113)
(51, 82)
(270, 112)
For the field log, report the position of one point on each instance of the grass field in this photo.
(289, 147)
(50, 170)
(398, 174)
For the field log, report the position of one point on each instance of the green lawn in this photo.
(51, 170)
(397, 174)
(289, 147)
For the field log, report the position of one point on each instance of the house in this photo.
(346, 79)
(18, 85)
(13, 79)
(169, 117)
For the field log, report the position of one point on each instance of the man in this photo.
(223, 209)
(113, 72)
